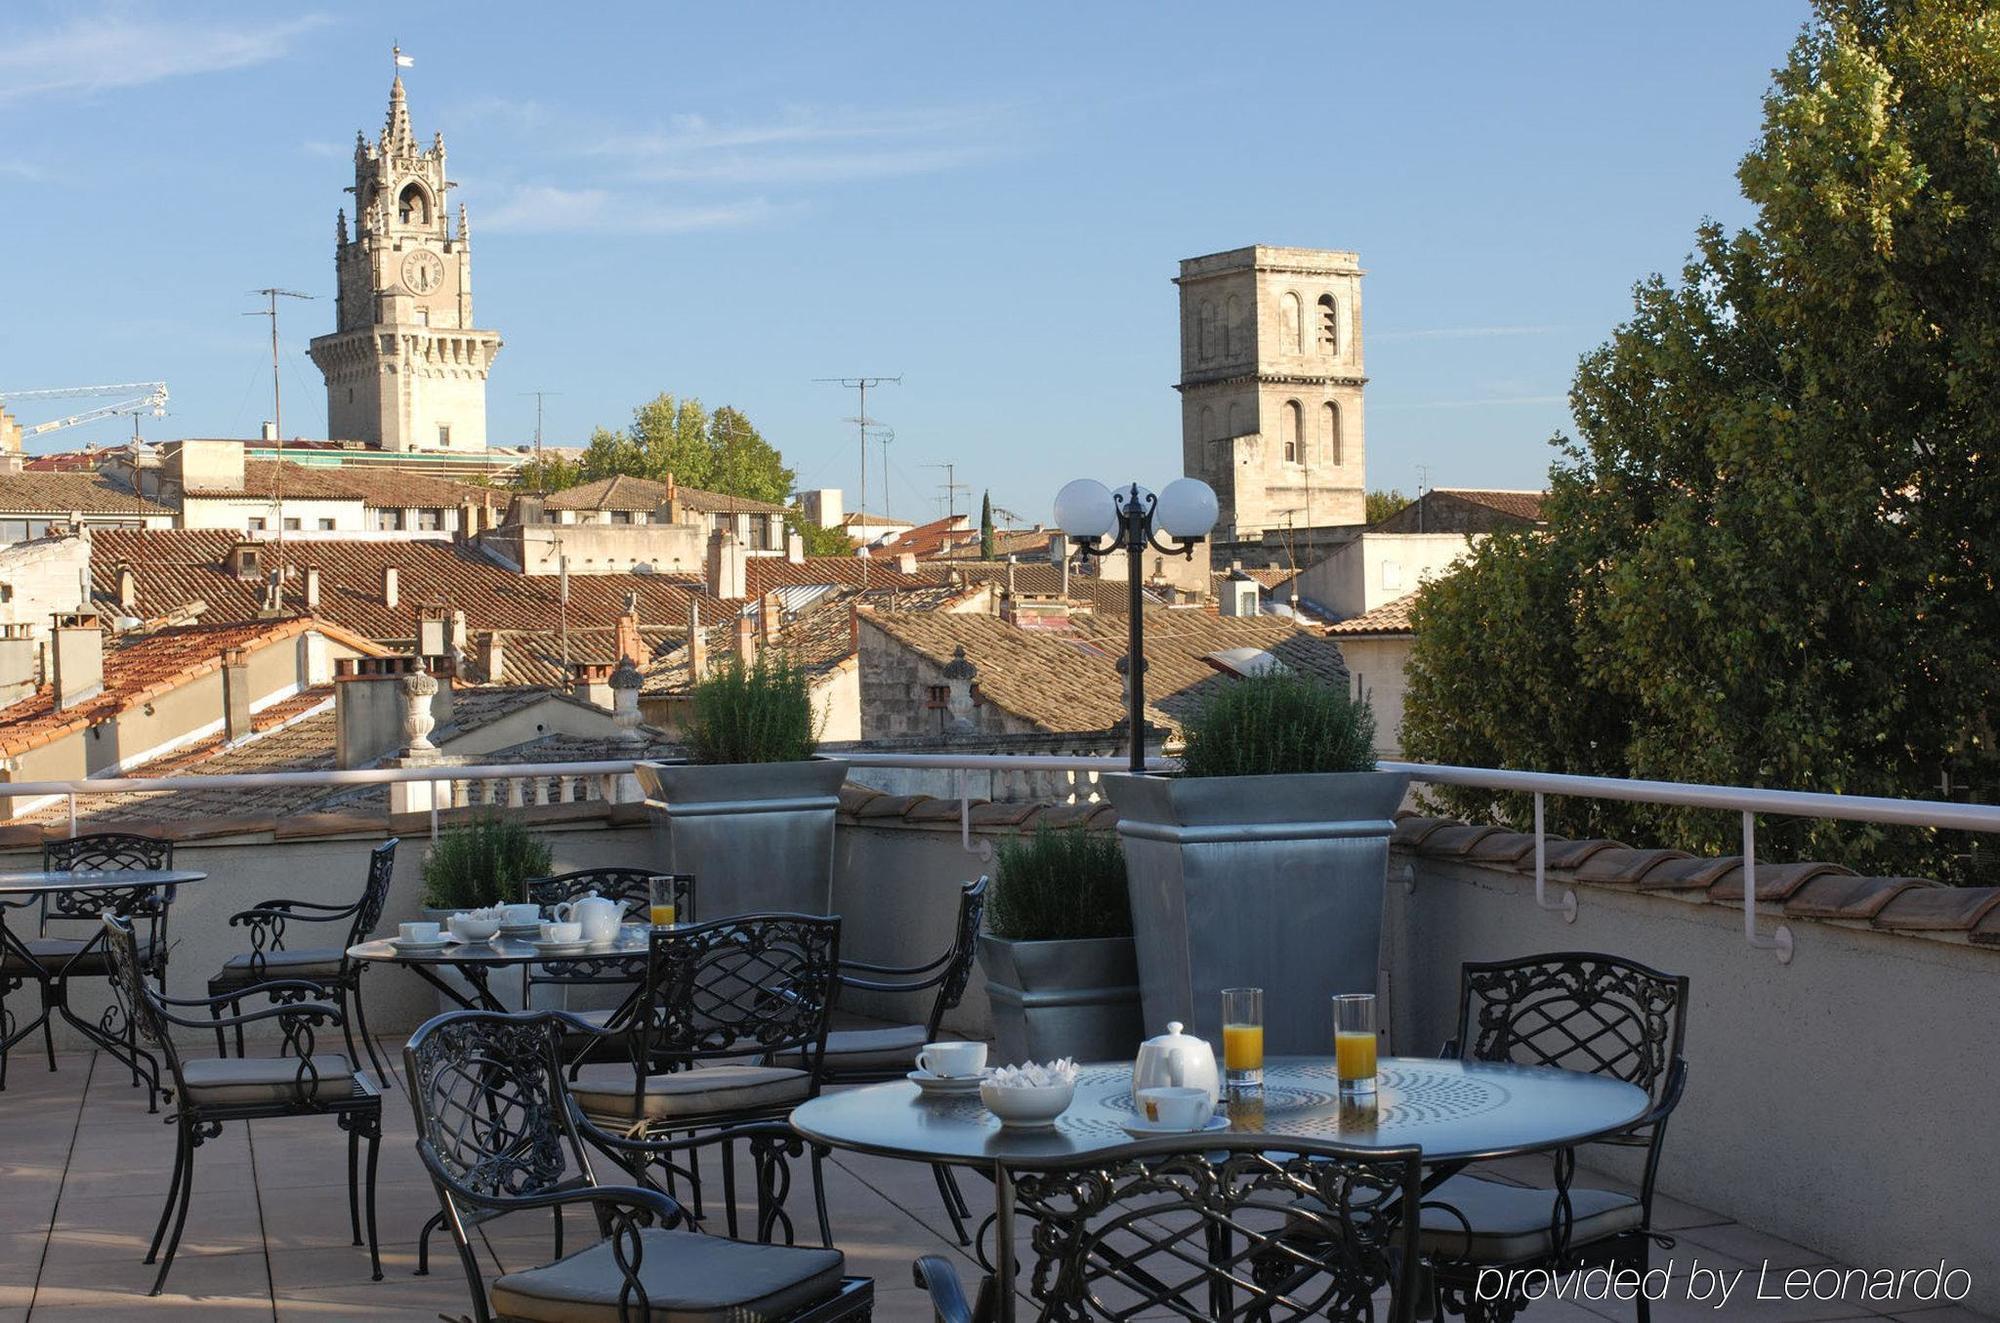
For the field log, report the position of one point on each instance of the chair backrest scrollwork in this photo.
(757, 983)
(375, 894)
(965, 947)
(1576, 1010)
(107, 852)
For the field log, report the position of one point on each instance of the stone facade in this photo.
(405, 368)
(1271, 383)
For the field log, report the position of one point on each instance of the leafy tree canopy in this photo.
(1771, 546)
(720, 451)
(1379, 505)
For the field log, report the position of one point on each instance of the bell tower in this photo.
(405, 368)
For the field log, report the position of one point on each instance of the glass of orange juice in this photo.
(1243, 1039)
(1354, 1042)
(662, 892)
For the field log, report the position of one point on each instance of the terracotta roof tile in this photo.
(374, 488)
(1774, 881)
(1624, 866)
(1520, 505)
(623, 491)
(1507, 847)
(1456, 840)
(1565, 855)
(1389, 618)
(64, 493)
(177, 566)
(1939, 909)
(763, 574)
(1065, 680)
(1413, 829)
(1831, 896)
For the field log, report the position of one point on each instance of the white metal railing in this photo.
(600, 780)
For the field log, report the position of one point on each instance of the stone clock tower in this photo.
(405, 369)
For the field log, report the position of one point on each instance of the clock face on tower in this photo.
(423, 271)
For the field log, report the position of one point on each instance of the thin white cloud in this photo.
(1462, 333)
(25, 171)
(545, 209)
(115, 49)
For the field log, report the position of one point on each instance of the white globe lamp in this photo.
(1085, 510)
(1187, 509)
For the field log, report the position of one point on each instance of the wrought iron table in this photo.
(475, 962)
(64, 885)
(1458, 1112)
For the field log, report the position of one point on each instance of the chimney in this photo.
(312, 587)
(79, 658)
(771, 616)
(670, 506)
(128, 588)
(461, 635)
(795, 547)
(725, 567)
(468, 520)
(746, 640)
(906, 562)
(371, 710)
(697, 644)
(628, 642)
(19, 655)
(390, 588)
(270, 430)
(492, 657)
(590, 682)
(235, 694)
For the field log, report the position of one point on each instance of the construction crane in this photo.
(140, 397)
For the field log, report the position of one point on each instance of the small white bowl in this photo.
(1026, 1108)
(466, 928)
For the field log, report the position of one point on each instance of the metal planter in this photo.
(758, 837)
(1077, 998)
(1259, 881)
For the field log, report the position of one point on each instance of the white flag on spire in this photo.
(404, 61)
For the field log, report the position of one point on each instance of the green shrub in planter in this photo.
(1058, 885)
(1278, 724)
(483, 862)
(761, 713)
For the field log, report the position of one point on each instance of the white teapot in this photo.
(599, 917)
(1177, 1060)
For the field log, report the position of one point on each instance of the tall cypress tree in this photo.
(986, 527)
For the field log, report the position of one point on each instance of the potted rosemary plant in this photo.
(1263, 863)
(486, 861)
(1057, 952)
(751, 812)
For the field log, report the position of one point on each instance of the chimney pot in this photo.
(128, 588)
(726, 572)
(746, 640)
(235, 694)
(492, 656)
(906, 561)
(391, 595)
(697, 644)
(771, 615)
(78, 648)
(312, 587)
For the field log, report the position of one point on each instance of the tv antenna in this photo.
(951, 487)
(883, 436)
(271, 295)
(541, 475)
(862, 421)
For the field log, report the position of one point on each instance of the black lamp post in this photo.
(1101, 522)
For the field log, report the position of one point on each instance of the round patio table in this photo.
(66, 883)
(1458, 1112)
(476, 961)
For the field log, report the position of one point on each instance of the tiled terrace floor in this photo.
(83, 1170)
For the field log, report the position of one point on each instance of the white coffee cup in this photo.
(522, 916)
(562, 932)
(418, 932)
(952, 1060)
(1174, 1108)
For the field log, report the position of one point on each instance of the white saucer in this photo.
(558, 948)
(1140, 1128)
(930, 1083)
(418, 948)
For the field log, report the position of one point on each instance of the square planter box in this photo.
(1077, 998)
(1256, 881)
(758, 837)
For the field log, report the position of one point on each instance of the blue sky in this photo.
(731, 200)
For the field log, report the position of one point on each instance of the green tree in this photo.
(549, 474)
(1771, 547)
(819, 541)
(720, 451)
(986, 527)
(1381, 504)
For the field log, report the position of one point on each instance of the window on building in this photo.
(1329, 324)
(938, 695)
(292, 524)
(621, 516)
(430, 520)
(1294, 326)
(423, 316)
(326, 525)
(257, 525)
(414, 206)
(760, 532)
(444, 434)
(1206, 333)
(16, 530)
(1289, 430)
(1329, 431)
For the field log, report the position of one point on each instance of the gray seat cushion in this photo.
(605, 1090)
(689, 1278)
(231, 1081)
(890, 1047)
(1511, 1223)
(320, 962)
(52, 953)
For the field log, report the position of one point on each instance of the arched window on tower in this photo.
(1235, 335)
(1294, 323)
(1329, 432)
(1329, 324)
(1289, 431)
(414, 206)
(1205, 332)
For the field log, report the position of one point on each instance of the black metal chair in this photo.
(53, 960)
(871, 1055)
(1575, 1010)
(270, 924)
(633, 887)
(1202, 1228)
(722, 1000)
(499, 1133)
(211, 1092)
